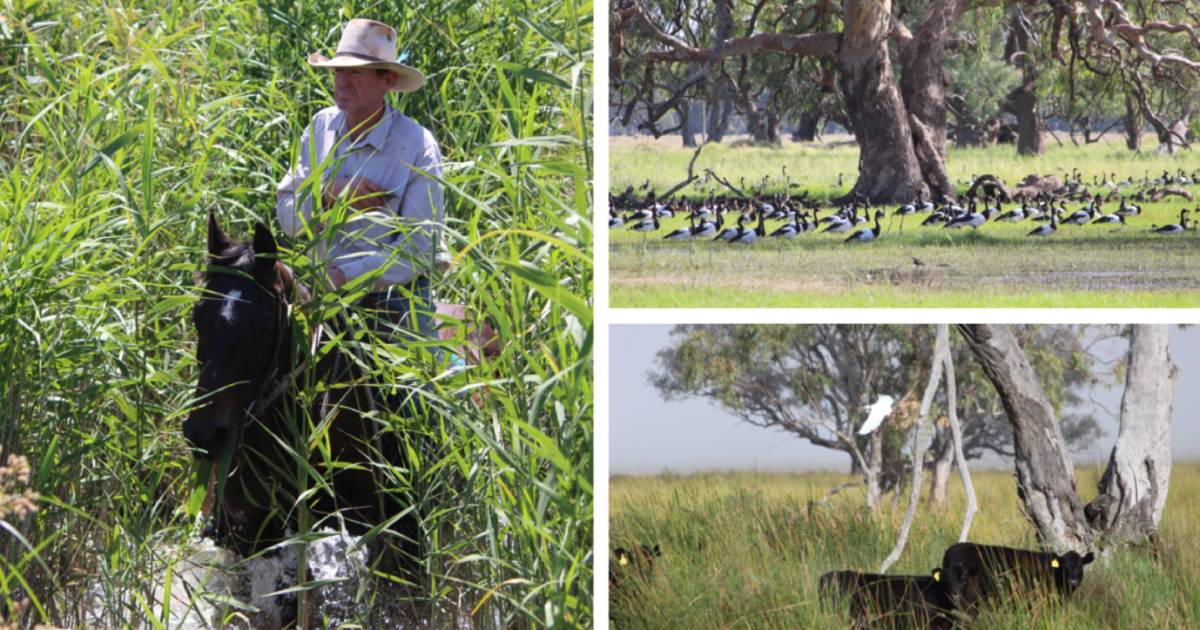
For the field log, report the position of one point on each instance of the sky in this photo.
(649, 435)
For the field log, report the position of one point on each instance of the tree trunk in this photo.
(1045, 476)
(1133, 124)
(1029, 120)
(888, 170)
(772, 127)
(943, 460)
(685, 123)
(875, 470)
(1023, 101)
(1133, 490)
(922, 87)
(806, 129)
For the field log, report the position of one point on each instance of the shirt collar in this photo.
(376, 136)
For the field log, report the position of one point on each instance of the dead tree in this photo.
(941, 360)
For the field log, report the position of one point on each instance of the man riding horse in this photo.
(383, 165)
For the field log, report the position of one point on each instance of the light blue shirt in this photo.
(401, 237)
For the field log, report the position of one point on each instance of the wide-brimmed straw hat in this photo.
(370, 44)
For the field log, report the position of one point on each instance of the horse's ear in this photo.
(218, 242)
(264, 242)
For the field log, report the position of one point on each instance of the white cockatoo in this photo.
(879, 411)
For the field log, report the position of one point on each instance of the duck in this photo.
(865, 235)
(614, 219)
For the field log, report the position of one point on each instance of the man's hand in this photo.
(361, 193)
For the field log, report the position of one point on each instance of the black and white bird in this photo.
(706, 229)
(683, 233)
(1109, 219)
(971, 219)
(1016, 215)
(728, 233)
(646, 225)
(1174, 228)
(865, 235)
(1049, 228)
(1129, 209)
(749, 236)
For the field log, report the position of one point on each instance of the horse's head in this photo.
(243, 336)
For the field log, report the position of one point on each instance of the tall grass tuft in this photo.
(747, 549)
(123, 124)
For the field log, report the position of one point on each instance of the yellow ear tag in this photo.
(624, 560)
(937, 576)
(1054, 563)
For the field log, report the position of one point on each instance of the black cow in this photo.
(624, 561)
(973, 573)
(891, 601)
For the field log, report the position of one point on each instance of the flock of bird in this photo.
(711, 219)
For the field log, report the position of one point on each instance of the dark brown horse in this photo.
(249, 409)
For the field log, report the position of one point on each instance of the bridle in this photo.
(266, 393)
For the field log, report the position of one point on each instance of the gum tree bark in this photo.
(923, 88)
(1045, 476)
(1133, 490)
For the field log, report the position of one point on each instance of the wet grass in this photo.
(997, 265)
(122, 125)
(747, 549)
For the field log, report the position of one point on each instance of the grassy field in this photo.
(994, 266)
(744, 550)
(122, 125)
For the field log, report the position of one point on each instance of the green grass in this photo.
(123, 124)
(996, 265)
(746, 550)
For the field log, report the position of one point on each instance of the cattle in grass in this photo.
(973, 573)
(890, 601)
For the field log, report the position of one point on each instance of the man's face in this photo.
(360, 90)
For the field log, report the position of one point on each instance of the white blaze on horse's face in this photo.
(227, 308)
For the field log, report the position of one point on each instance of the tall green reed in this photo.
(122, 125)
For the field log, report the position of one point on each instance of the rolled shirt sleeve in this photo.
(291, 215)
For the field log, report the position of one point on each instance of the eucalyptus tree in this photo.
(816, 381)
(899, 119)
(1133, 490)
